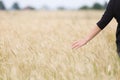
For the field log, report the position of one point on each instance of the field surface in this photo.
(36, 45)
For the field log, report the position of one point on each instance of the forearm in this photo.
(93, 33)
(90, 36)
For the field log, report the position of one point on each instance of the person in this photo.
(112, 11)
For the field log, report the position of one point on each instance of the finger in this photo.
(74, 43)
(80, 45)
(74, 46)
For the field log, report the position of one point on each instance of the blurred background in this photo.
(36, 38)
(52, 4)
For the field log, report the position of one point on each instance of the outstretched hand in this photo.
(79, 43)
(84, 41)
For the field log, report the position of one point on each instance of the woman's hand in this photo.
(90, 36)
(79, 43)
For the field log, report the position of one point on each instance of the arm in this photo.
(84, 41)
(106, 18)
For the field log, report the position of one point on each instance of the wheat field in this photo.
(36, 45)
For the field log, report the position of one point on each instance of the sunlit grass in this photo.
(37, 46)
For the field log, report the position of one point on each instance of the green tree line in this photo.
(96, 6)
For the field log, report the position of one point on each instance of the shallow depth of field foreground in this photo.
(37, 46)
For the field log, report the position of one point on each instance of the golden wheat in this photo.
(36, 45)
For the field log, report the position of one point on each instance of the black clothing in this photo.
(112, 10)
(118, 51)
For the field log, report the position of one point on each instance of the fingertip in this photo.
(74, 43)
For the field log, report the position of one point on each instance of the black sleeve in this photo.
(107, 16)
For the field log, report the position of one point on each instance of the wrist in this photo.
(86, 39)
